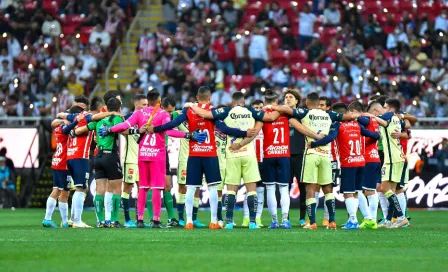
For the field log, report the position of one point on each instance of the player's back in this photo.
(371, 145)
(152, 145)
(391, 147)
(79, 146)
(320, 122)
(195, 123)
(59, 160)
(349, 140)
(276, 138)
(240, 118)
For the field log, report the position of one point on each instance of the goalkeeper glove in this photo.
(104, 131)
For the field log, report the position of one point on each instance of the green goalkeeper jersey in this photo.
(109, 142)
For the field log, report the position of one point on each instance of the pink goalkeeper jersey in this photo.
(152, 145)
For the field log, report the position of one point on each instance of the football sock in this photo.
(78, 199)
(115, 207)
(331, 206)
(157, 203)
(195, 208)
(326, 214)
(189, 199)
(272, 201)
(402, 201)
(384, 203)
(260, 199)
(364, 206)
(393, 200)
(180, 206)
(125, 201)
(108, 205)
(302, 188)
(149, 204)
(252, 205)
(317, 200)
(72, 211)
(99, 207)
(219, 208)
(230, 205)
(63, 209)
(51, 204)
(141, 202)
(390, 212)
(213, 190)
(406, 212)
(245, 208)
(168, 200)
(311, 209)
(351, 204)
(373, 205)
(284, 201)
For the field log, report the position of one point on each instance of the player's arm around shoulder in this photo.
(304, 130)
(84, 129)
(202, 112)
(334, 130)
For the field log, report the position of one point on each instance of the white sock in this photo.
(326, 214)
(78, 205)
(284, 201)
(364, 206)
(51, 204)
(316, 195)
(272, 201)
(108, 205)
(260, 197)
(72, 210)
(373, 205)
(63, 209)
(384, 203)
(402, 201)
(189, 200)
(352, 208)
(245, 208)
(213, 190)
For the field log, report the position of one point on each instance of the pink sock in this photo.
(156, 203)
(141, 202)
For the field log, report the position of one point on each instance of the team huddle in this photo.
(260, 146)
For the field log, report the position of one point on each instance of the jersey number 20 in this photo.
(355, 146)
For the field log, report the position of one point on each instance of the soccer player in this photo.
(61, 177)
(393, 166)
(257, 105)
(203, 159)
(151, 162)
(130, 162)
(351, 149)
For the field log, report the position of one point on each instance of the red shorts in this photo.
(152, 174)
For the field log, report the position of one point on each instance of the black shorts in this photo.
(167, 165)
(336, 172)
(381, 153)
(260, 169)
(108, 166)
(296, 162)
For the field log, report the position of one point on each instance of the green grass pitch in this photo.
(26, 246)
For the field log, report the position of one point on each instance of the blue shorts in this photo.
(260, 169)
(351, 179)
(79, 170)
(372, 176)
(197, 167)
(276, 171)
(61, 179)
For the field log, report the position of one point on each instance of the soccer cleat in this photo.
(332, 226)
(65, 225)
(182, 223)
(401, 223)
(214, 226)
(389, 225)
(172, 223)
(325, 223)
(382, 223)
(394, 219)
(302, 222)
(100, 224)
(70, 223)
(150, 224)
(189, 226)
(229, 226)
(116, 225)
(365, 224)
(140, 224)
(221, 223)
(351, 226)
(157, 225)
(245, 223)
(286, 225)
(81, 225)
(253, 225)
(49, 224)
(310, 226)
(258, 221)
(107, 224)
(130, 224)
(274, 225)
(198, 224)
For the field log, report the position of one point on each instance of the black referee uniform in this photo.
(297, 148)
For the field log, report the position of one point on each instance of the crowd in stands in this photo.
(53, 50)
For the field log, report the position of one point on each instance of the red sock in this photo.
(141, 202)
(156, 203)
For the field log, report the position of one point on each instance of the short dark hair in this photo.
(139, 96)
(382, 99)
(113, 104)
(374, 97)
(203, 92)
(75, 109)
(270, 96)
(82, 99)
(356, 105)
(96, 103)
(327, 100)
(110, 94)
(313, 97)
(394, 104)
(153, 95)
(373, 103)
(294, 93)
(257, 102)
(237, 96)
(168, 101)
(339, 107)
(3, 151)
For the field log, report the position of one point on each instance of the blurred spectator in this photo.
(224, 49)
(99, 33)
(14, 107)
(442, 157)
(306, 26)
(8, 195)
(396, 38)
(74, 87)
(416, 60)
(441, 22)
(136, 85)
(51, 27)
(230, 14)
(113, 8)
(418, 108)
(258, 50)
(423, 25)
(277, 16)
(68, 58)
(112, 24)
(9, 163)
(353, 50)
(332, 15)
(5, 56)
(220, 97)
(263, 16)
(14, 48)
(406, 22)
(147, 46)
(169, 14)
(316, 50)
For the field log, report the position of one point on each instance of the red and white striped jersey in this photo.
(147, 47)
(259, 146)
